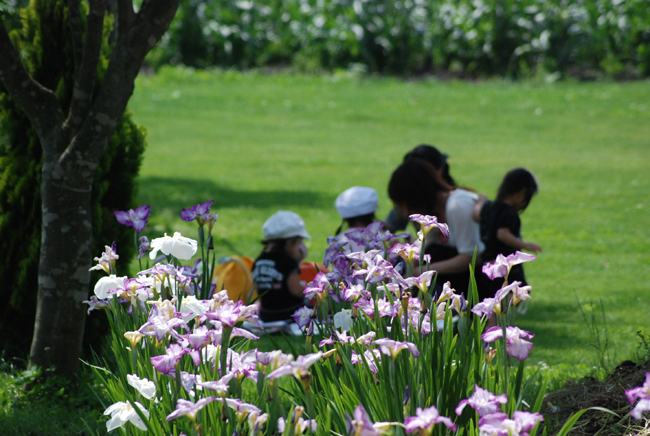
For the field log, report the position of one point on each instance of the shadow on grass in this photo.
(175, 194)
(541, 319)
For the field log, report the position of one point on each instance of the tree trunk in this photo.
(63, 273)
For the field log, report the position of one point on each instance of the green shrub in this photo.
(584, 38)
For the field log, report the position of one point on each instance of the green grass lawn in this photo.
(257, 143)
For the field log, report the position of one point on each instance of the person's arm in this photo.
(396, 220)
(295, 288)
(476, 212)
(505, 235)
(456, 264)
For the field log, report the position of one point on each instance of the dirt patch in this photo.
(558, 406)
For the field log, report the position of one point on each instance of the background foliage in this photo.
(44, 41)
(517, 38)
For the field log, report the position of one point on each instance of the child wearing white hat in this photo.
(276, 271)
(357, 206)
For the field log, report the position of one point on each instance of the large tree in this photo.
(73, 143)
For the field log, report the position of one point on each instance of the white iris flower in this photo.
(122, 412)
(146, 387)
(178, 246)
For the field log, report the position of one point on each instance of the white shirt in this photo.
(464, 233)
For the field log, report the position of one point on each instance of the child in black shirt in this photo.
(500, 225)
(276, 272)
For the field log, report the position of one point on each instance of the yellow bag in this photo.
(234, 274)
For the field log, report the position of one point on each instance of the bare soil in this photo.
(558, 406)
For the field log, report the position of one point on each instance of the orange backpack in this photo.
(234, 274)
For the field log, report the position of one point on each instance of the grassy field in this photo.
(257, 143)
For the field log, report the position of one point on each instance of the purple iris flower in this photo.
(422, 282)
(379, 270)
(516, 346)
(145, 247)
(134, 218)
(342, 337)
(643, 394)
(335, 249)
(188, 408)
(160, 325)
(217, 332)
(192, 271)
(501, 266)
(242, 365)
(369, 357)
(320, 287)
(165, 363)
(498, 424)
(425, 420)
(393, 288)
(391, 347)
(360, 423)
(303, 316)
(200, 213)
(300, 424)
(230, 314)
(428, 222)
(483, 401)
(189, 380)
(489, 305)
(107, 260)
(220, 386)
(384, 306)
(243, 409)
(198, 338)
(363, 258)
(485, 307)
(162, 270)
(367, 338)
(298, 367)
(95, 303)
(326, 341)
(408, 252)
(353, 292)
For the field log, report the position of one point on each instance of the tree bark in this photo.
(63, 274)
(73, 144)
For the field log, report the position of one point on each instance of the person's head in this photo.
(415, 187)
(435, 157)
(518, 186)
(284, 232)
(357, 206)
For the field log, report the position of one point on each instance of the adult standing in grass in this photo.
(416, 187)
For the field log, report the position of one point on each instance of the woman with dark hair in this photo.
(396, 220)
(435, 157)
(417, 188)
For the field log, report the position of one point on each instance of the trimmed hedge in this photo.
(515, 38)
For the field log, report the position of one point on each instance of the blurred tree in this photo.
(20, 167)
(74, 121)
